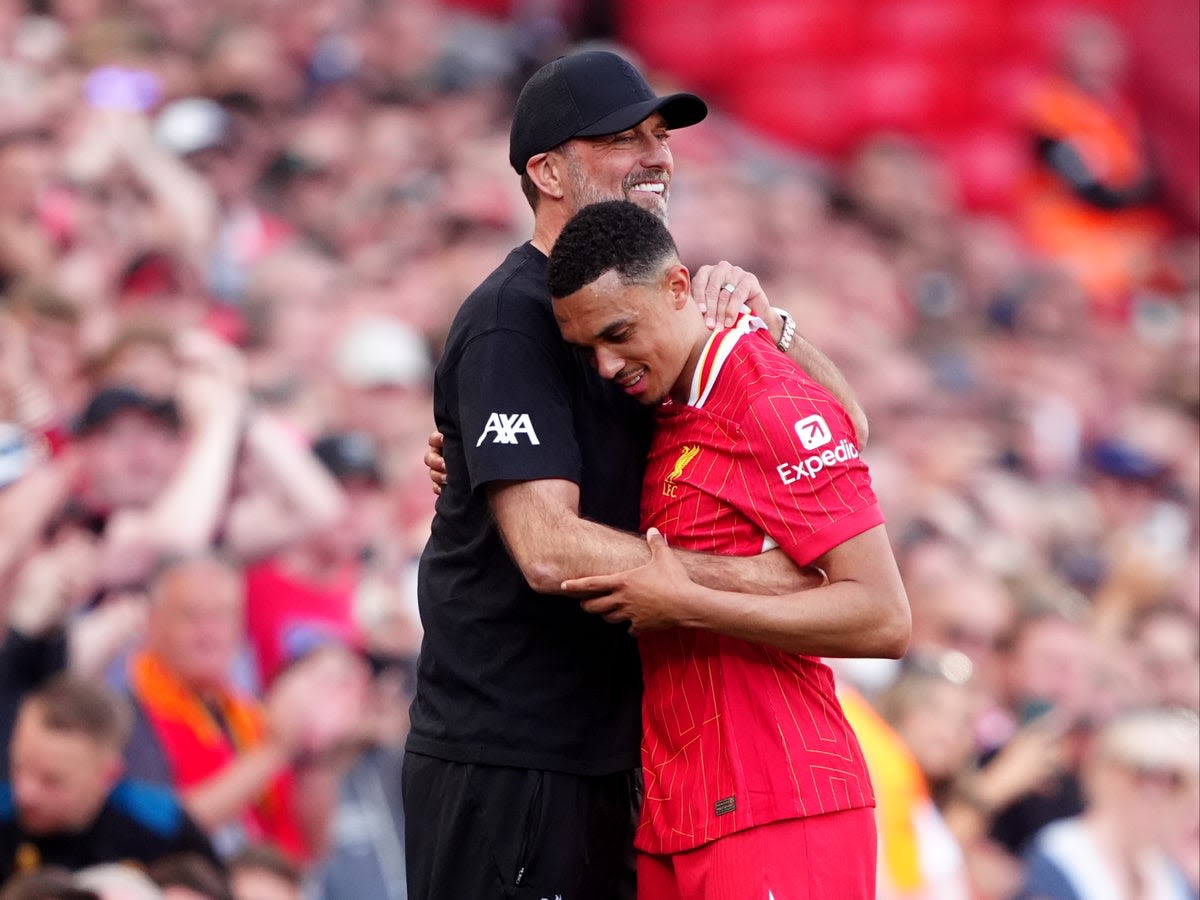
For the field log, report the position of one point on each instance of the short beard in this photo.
(588, 193)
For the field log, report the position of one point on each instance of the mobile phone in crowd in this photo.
(115, 87)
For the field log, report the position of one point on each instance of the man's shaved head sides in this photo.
(614, 235)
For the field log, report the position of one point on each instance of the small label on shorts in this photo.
(727, 805)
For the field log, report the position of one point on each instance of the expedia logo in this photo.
(812, 465)
(813, 432)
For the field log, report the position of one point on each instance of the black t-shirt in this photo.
(508, 676)
(138, 823)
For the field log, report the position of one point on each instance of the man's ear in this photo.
(547, 172)
(679, 281)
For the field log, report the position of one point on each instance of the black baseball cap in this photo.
(108, 403)
(589, 94)
(349, 454)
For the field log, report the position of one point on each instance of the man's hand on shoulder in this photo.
(721, 290)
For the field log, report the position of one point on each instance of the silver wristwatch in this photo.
(789, 330)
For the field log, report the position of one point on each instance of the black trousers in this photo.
(494, 832)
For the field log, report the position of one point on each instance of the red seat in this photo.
(991, 164)
(1003, 89)
(498, 9)
(927, 27)
(1035, 29)
(908, 95)
(693, 52)
(785, 31)
(804, 104)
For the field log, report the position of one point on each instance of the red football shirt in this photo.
(287, 617)
(737, 734)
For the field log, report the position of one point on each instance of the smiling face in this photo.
(645, 337)
(634, 165)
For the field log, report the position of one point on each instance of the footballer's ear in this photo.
(547, 171)
(679, 282)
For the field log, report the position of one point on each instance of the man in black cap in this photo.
(131, 445)
(155, 472)
(521, 777)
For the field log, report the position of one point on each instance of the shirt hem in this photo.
(662, 848)
(517, 759)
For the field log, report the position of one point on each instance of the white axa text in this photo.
(505, 428)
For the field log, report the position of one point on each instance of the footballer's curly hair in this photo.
(615, 234)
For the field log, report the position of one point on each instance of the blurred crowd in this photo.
(232, 238)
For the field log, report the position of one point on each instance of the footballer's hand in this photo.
(651, 597)
(435, 462)
(720, 305)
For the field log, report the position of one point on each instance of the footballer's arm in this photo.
(550, 542)
(861, 612)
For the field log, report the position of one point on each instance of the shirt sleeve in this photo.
(515, 409)
(804, 481)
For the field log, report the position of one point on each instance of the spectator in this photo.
(53, 334)
(1090, 204)
(919, 858)
(932, 706)
(26, 172)
(385, 381)
(49, 589)
(158, 475)
(1049, 693)
(67, 803)
(115, 148)
(304, 597)
(155, 474)
(227, 147)
(367, 858)
(244, 770)
(1141, 781)
(141, 356)
(385, 376)
(963, 608)
(25, 399)
(158, 286)
(1167, 642)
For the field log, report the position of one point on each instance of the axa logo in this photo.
(813, 432)
(505, 428)
(686, 455)
(810, 466)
